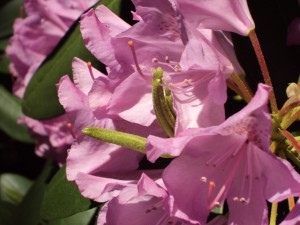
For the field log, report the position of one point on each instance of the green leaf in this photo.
(4, 62)
(82, 218)
(8, 13)
(3, 44)
(7, 211)
(62, 198)
(40, 100)
(28, 212)
(13, 187)
(10, 111)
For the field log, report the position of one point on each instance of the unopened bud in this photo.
(293, 90)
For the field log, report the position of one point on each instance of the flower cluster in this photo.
(35, 37)
(162, 99)
(216, 160)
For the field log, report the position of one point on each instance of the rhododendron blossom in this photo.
(35, 36)
(150, 134)
(161, 39)
(231, 161)
(105, 174)
(207, 14)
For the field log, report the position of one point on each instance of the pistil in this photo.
(89, 65)
(132, 48)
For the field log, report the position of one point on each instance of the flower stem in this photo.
(243, 87)
(263, 67)
(273, 213)
(291, 201)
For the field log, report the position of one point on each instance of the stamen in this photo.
(131, 45)
(89, 65)
(217, 204)
(203, 179)
(228, 180)
(177, 68)
(171, 64)
(181, 85)
(155, 60)
(211, 188)
(167, 59)
(218, 160)
(243, 200)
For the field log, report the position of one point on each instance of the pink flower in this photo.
(135, 205)
(194, 62)
(208, 14)
(99, 28)
(37, 35)
(52, 136)
(110, 167)
(34, 38)
(231, 161)
(143, 203)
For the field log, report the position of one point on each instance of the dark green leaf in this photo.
(3, 44)
(8, 13)
(28, 212)
(82, 218)
(10, 111)
(62, 198)
(13, 187)
(4, 62)
(7, 211)
(40, 100)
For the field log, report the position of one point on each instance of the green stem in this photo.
(273, 213)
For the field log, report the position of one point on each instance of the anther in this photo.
(177, 68)
(236, 199)
(203, 179)
(167, 59)
(89, 65)
(155, 60)
(243, 200)
(217, 204)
